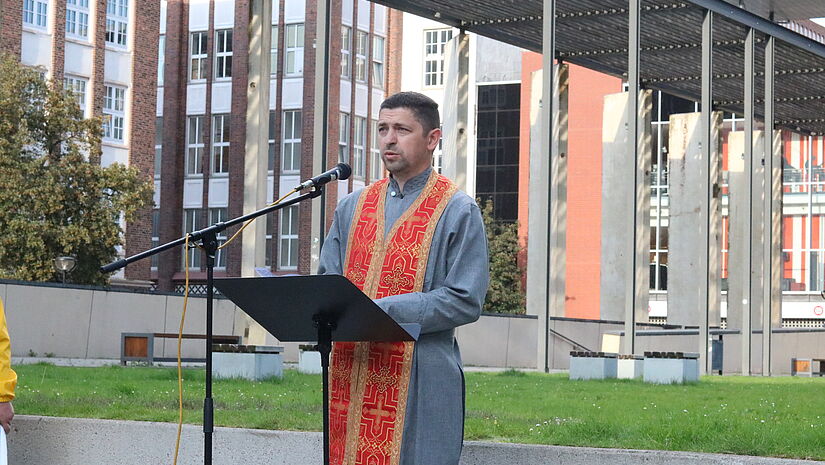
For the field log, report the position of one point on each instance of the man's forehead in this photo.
(396, 115)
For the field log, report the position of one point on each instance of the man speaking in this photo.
(417, 246)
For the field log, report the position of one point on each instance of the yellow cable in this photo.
(253, 219)
(180, 339)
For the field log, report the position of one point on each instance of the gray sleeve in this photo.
(332, 253)
(459, 298)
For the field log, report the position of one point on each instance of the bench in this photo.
(670, 367)
(140, 347)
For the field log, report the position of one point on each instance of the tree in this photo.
(53, 200)
(505, 294)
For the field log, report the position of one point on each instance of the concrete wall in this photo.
(70, 441)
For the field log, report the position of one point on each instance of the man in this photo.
(8, 378)
(416, 245)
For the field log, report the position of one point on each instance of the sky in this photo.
(819, 20)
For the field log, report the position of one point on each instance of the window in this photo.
(361, 44)
(294, 49)
(291, 159)
(218, 215)
(35, 12)
(271, 163)
(117, 22)
(270, 219)
(194, 145)
(198, 54)
(288, 249)
(77, 18)
(192, 222)
(359, 159)
(346, 46)
(155, 237)
(378, 62)
(343, 138)
(273, 51)
(434, 42)
(78, 88)
(220, 144)
(161, 58)
(376, 165)
(158, 145)
(223, 54)
(113, 113)
(497, 149)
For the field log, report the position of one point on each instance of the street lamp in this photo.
(65, 265)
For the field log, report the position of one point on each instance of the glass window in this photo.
(35, 13)
(361, 44)
(113, 113)
(346, 46)
(223, 54)
(294, 49)
(273, 51)
(359, 159)
(272, 146)
(291, 153)
(343, 138)
(158, 145)
(161, 58)
(117, 22)
(155, 236)
(288, 239)
(77, 18)
(434, 42)
(220, 144)
(192, 222)
(78, 88)
(218, 215)
(198, 54)
(376, 165)
(194, 145)
(378, 62)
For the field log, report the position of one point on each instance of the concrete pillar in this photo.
(253, 247)
(547, 209)
(454, 114)
(774, 292)
(320, 118)
(616, 222)
(688, 186)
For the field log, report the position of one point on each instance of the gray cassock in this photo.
(455, 284)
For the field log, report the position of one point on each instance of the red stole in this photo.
(369, 381)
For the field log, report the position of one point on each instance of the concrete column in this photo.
(253, 247)
(688, 185)
(773, 319)
(320, 118)
(745, 263)
(547, 209)
(454, 115)
(616, 222)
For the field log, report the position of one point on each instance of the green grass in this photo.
(783, 417)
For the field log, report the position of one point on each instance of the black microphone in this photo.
(341, 171)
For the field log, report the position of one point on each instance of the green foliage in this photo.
(505, 294)
(55, 198)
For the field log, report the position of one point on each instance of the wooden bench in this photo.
(140, 347)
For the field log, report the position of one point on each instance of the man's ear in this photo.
(432, 138)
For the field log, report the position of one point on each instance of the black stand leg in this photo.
(324, 346)
(210, 246)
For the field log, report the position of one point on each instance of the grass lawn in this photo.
(783, 417)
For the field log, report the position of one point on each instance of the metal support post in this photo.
(707, 153)
(750, 98)
(547, 131)
(768, 237)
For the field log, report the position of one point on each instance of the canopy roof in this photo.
(594, 34)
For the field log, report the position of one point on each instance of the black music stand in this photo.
(322, 308)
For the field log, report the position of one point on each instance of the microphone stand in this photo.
(208, 239)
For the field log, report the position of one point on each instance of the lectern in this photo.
(323, 308)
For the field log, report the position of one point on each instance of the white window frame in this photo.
(36, 13)
(158, 146)
(294, 64)
(117, 23)
(288, 238)
(192, 222)
(434, 43)
(155, 237)
(376, 165)
(198, 56)
(361, 50)
(343, 137)
(78, 86)
(219, 215)
(161, 58)
(77, 19)
(359, 157)
(346, 52)
(291, 142)
(223, 54)
(114, 113)
(194, 146)
(378, 75)
(220, 144)
(270, 164)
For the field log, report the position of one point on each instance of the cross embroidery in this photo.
(397, 281)
(381, 413)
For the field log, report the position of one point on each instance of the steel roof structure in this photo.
(594, 34)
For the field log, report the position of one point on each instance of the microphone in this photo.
(341, 171)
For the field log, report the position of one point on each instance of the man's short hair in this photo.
(423, 108)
